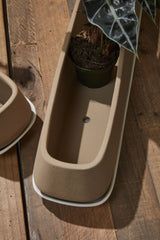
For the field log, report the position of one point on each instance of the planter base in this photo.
(80, 204)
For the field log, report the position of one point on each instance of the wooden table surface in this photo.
(31, 37)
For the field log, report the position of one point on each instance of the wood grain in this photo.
(133, 210)
(147, 108)
(134, 204)
(135, 199)
(11, 207)
(50, 35)
(146, 90)
(23, 45)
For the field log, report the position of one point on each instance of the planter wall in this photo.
(80, 143)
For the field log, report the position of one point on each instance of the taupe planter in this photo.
(17, 114)
(80, 143)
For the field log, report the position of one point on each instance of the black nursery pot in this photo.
(94, 78)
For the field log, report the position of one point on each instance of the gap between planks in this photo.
(11, 208)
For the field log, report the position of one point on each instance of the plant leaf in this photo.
(150, 7)
(158, 3)
(116, 18)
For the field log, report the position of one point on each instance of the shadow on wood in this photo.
(29, 143)
(29, 146)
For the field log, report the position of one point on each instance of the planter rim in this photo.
(14, 90)
(96, 203)
(108, 67)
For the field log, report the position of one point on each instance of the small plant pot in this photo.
(94, 78)
(94, 65)
(17, 114)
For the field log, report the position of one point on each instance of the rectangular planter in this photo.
(80, 143)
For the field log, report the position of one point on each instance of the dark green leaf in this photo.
(149, 6)
(116, 18)
(158, 3)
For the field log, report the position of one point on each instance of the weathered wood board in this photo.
(133, 212)
(11, 207)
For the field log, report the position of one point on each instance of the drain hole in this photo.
(86, 120)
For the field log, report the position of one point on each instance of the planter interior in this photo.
(79, 148)
(78, 120)
(70, 139)
(15, 111)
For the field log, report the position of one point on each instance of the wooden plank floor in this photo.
(36, 31)
(11, 209)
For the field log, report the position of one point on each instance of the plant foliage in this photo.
(118, 19)
(150, 7)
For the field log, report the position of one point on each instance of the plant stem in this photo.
(101, 41)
